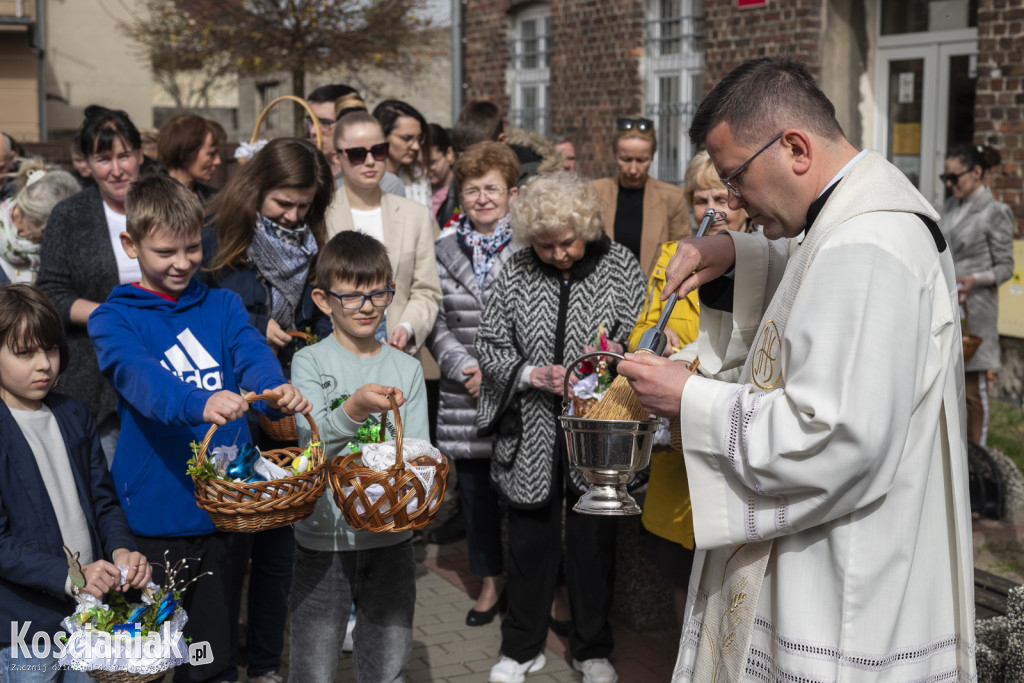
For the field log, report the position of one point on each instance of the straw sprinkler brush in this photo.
(620, 402)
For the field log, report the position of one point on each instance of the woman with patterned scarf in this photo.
(266, 227)
(469, 258)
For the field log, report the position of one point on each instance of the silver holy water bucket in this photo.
(608, 453)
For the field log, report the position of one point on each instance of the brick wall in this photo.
(595, 68)
(595, 75)
(732, 36)
(999, 107)
(485, 55)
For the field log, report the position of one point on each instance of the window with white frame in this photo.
(529, 73)
(674, 65)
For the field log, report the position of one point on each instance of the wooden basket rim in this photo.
(316, 454)
(293, 98)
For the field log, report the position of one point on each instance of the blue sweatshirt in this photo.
(166, 359)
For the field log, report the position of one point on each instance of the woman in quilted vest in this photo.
(469, 258)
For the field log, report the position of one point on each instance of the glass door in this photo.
(926, 98)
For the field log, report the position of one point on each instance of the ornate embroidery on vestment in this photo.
(765, 371)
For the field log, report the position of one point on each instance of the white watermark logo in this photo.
(90, 645)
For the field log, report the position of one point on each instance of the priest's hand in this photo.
(657, 381)
(698, 261)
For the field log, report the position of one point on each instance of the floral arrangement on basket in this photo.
(244, 489)
(595, 378)
(389, 485)
(118, 641)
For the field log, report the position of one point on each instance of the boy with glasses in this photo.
(348, 377)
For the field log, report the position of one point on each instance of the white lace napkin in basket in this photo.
(381, 456)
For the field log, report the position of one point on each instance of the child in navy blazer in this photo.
(55, 491)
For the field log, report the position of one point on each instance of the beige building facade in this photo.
(85, 60)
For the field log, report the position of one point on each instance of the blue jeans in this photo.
(382, 583)
(35, 670)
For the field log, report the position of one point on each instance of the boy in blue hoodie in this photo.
(177, 353)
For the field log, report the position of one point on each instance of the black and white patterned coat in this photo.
(451, 343)
(537, 318)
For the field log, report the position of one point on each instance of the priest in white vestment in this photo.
(829, 483)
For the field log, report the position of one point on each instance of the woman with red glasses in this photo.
(979, 230)
(405, 227)
(640, 212)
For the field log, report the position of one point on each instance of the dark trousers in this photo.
(211, 602)
(535, 551)
(270, 578)
(482, 515)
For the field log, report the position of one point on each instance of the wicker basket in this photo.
(266, 111)
(971, 342)
(580, 406)
(124, 676)
(284, 429)
(242, 506)
(399, 485)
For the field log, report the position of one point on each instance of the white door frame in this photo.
(934, 49)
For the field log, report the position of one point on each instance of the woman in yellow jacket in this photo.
(667, 513)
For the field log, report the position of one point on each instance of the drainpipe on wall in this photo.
(457, 56)
(39, 43)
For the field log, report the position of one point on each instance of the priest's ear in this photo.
(798, 149)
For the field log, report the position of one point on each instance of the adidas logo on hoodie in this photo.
(193, 364)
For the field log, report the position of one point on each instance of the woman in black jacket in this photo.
(81, 258)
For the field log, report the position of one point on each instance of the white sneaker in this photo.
(508, 670)
(596, 670)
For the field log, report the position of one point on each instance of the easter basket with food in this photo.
(595, 378)
(244, 489)
(390, 485)
(115, 641)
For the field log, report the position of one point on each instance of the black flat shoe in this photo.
(475, 618)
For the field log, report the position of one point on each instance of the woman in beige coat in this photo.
(405, 227)
(639, 211)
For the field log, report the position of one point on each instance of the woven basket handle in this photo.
(399, 459)
(293, 98)
(294, 334)
(269, 395)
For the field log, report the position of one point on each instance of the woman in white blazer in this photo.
(405, 227)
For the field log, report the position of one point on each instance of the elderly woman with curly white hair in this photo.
(549, 301)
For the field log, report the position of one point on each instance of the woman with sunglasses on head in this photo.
(408, 137)
(979, 230)
(640, 212)
(404, 226)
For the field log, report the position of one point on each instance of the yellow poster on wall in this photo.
(1011, 296)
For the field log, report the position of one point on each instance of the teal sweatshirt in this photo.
(325, 372)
